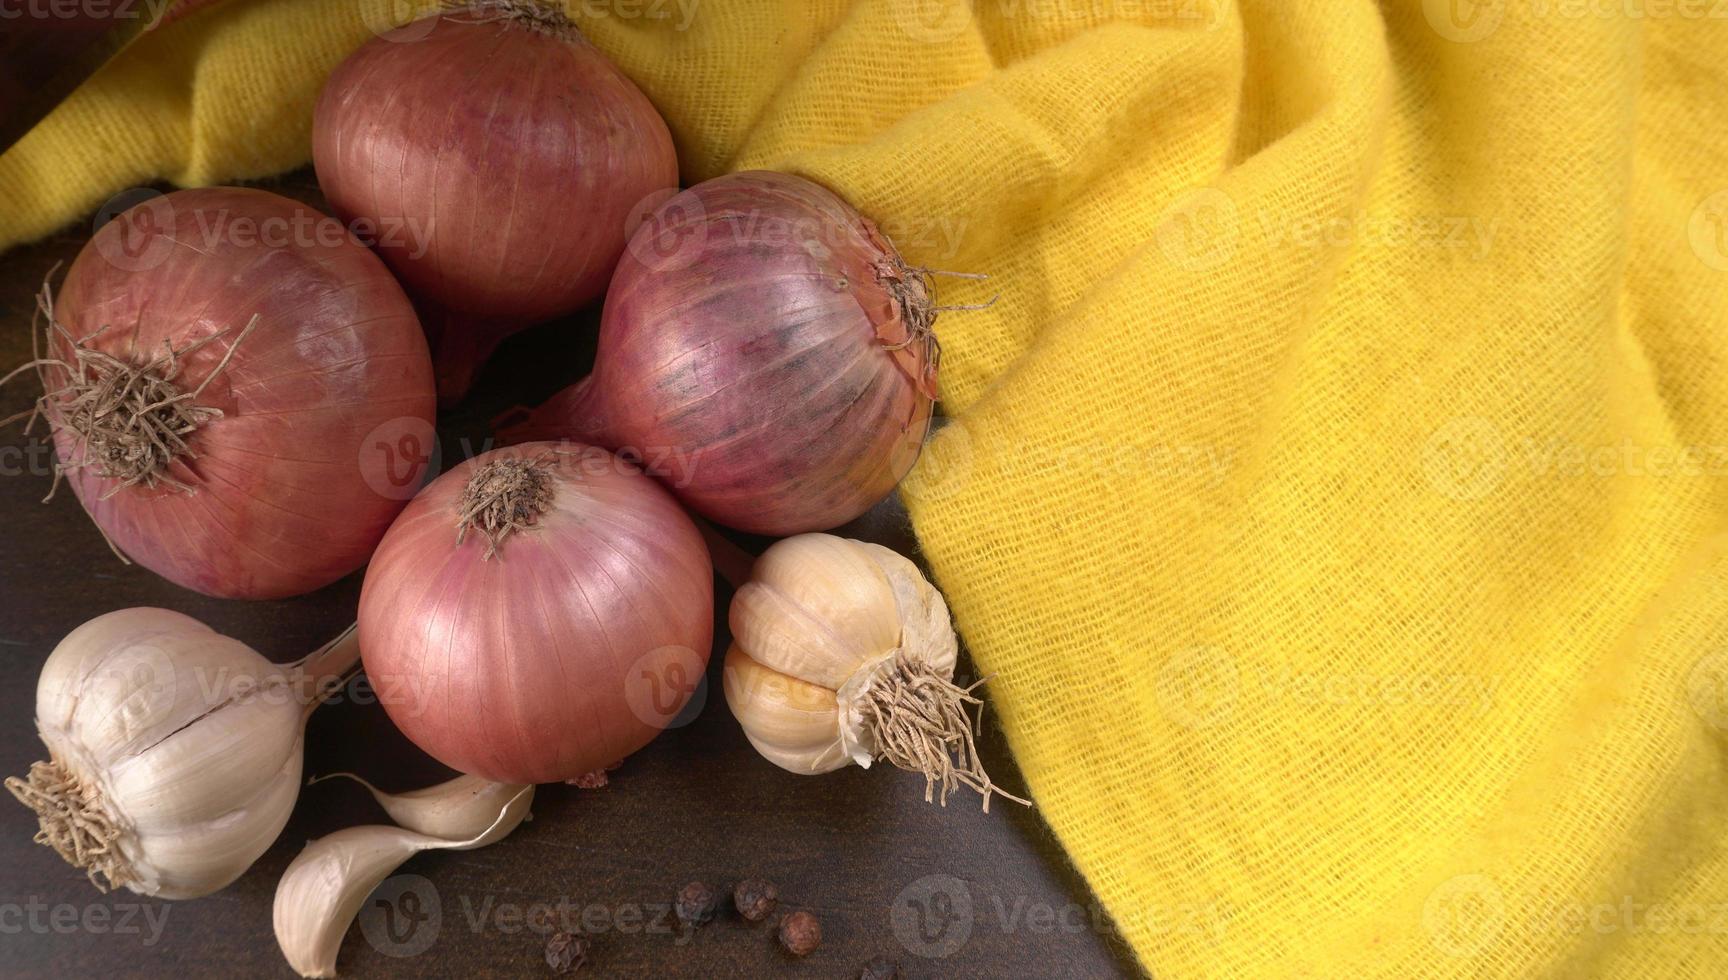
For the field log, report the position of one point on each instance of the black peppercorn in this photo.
(755, 898)
(566, 952)
(881, 968)
(800, 933)
(697, 903)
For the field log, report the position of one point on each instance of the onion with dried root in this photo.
(843, 654)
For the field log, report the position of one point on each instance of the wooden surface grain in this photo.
(945, 893)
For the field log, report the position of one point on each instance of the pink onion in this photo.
(537, 613)
(766, 350)
(231, 380)
(499, 156)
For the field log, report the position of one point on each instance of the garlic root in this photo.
(327, 883)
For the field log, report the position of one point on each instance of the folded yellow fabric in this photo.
(1336, 490)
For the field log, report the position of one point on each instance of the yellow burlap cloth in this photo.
(1335, 492)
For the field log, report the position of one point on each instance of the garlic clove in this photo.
(323, 889)
(325, 886)
(792, 723)
(926, 628)
(454, 810)
(206, 857)
(817, 607)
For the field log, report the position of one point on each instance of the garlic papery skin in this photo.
(843, 653)
(174, 752)
(454, 810)
(322, 890)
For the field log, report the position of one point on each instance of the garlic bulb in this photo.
(174, 752)
(843, 654)
(324, 887)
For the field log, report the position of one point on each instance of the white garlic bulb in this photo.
(174, 752)
(843, 653)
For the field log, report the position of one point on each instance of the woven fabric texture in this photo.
(1336, 490)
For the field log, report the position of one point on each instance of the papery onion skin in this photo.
(288, 493)
(508, 154)
(753, 339)
(550, 659)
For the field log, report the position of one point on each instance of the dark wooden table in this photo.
(946, 893)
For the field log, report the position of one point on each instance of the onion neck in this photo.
(525, 14)
(575, 414)
(505, 495)
(130, 420)
(916, 351)
(461, 346)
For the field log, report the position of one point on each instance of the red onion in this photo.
(239, 392)
(500, 157)
(764, 349)
(537, 613)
